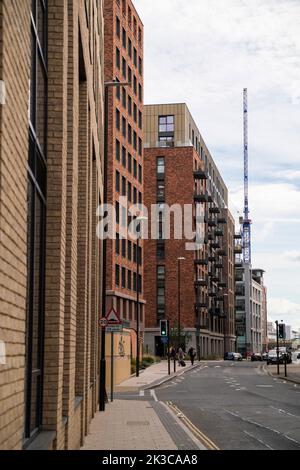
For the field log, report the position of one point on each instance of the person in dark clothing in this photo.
(192, 354)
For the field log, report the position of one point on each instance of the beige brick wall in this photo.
(74, 188)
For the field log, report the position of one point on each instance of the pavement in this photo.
(136, 421)
(293, 372)
(237, 406)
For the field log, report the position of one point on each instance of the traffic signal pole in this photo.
(277, 349)
(168, 345)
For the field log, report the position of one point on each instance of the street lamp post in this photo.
(181, 258)
(102, 376)
(139, 220)
(225, 323)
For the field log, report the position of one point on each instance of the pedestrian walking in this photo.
(181, 357)
(192, 354)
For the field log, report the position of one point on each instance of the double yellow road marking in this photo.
(210, 445)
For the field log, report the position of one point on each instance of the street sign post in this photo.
(114, 328)
(113, 325)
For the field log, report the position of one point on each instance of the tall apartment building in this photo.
(190, 292)
(124, 63)
(251, 308)
(51, 182)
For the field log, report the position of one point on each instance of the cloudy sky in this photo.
(204, 52)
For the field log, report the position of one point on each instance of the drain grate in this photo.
(137, 423)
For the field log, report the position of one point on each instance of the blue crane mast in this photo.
(246, 220)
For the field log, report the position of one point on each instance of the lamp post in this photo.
(181, 258)
(224, 325)
(107, 87)
(139, 221)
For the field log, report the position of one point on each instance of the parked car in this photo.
(272, 357)
(265, 356)
(237, 356)
(229, 356)
(256, 357)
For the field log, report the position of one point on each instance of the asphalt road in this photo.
(238, 406)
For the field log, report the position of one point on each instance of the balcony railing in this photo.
(222, 220)
(214, 210)
(219, 233)
(201, 261)
(201, 196)
(201, 304)
(222, 284)
(222, 252)
(200, 175)
(215, 245)
(201, 283)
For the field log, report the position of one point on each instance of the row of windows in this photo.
(128, 75)
(161, 297)
(125, 188)
(132, 21)
(128, 279)
(123, 217)
(128, 133)
(130, 106)
(128, 249)
(129, 162)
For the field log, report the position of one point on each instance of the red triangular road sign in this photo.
(113, 317)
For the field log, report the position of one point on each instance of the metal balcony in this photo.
(212, 259)
(222, 252)
(215, 312)
(215, 278)
(212, 223)
(237, 236)
(219, 265)
(212, 293)
(201, 261)
(214, 210)
(201, 197)
(200, 175)
(222, 220)
(202, 304)
(210, 198)
(201, 283)
(222, 284)
(219, 233)
(215, 245)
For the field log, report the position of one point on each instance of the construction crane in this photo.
(246, 221)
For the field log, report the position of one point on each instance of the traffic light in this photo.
(163, 327)
(281, 331)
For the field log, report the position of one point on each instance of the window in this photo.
(124, 68)
(117, 213)
(135, 85)
(140, 66)
(129, 73)
(140, 147)
(124, 98)
(129, 250)
(166, 124)
(129, 285)
(36, 210)
(140, 120)
(124, 157)
(117, 181)
(134, 253)
(129, 192)
(140, 283)
(135, 56)
(161, 273)
(124, 7)
(160, 165)
(118, 58)
(140, 37)
(140, 174)
(129, 163)
(160, 250)
(117, 275)
(165, 141)
(123, 186)
(129, 101)
(134, 196)
(134, 282)
(129, 15)
(160, 296)
(135, 168)
(118, 29)
(117, 119)
(124, 247)
(130, 48)
(124, 127)
(124, 42)
(161, 190)
(134, 140)
(117, 150)
(118, 90)
(140, 198)
(140, 93)
(135, 112)
(117, 244)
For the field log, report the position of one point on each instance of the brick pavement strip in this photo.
(128, 425)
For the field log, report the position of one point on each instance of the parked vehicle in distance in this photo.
(265, 356)
(237, 356)
(256, 357)
(272, 357)
(229, 356)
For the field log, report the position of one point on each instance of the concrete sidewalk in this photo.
(154, 376)
(141, 424)
(293, 372)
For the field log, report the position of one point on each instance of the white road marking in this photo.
(284, 412)
(152, 392)
(265, 386)
(258, 440)
(217, 367)
(142, 393)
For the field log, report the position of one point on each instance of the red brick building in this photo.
(123, 35)
(192, 292)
